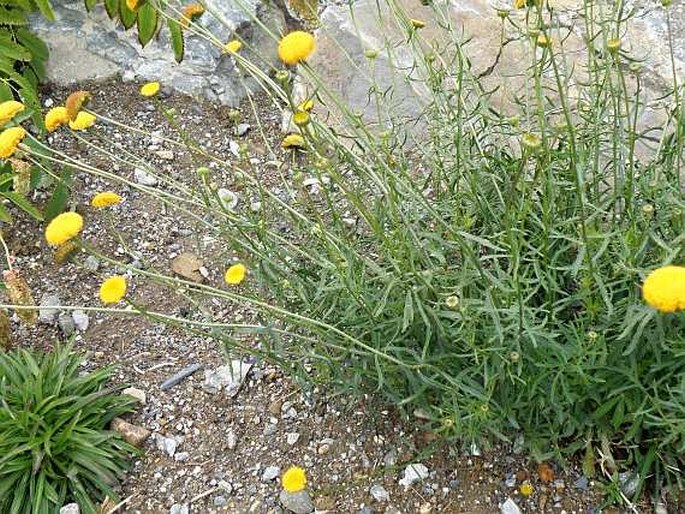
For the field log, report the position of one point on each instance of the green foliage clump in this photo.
(54, 442)
(23, 55)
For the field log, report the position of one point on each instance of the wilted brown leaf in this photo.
(20, 294)
(545, 472)
(75, 102)
(65, 251)
(188, 265)
(21, 180)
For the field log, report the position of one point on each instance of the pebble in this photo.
(660, 508)
(91, 263)
(45, 314)
(66, 324)
(270, 473)
(413, 473)
(167, 155)
(426, 508)
(242, 129)
(226, 487)
(229, 377)
(181, 375)
(81, 320)
(379, 493)
(220, 501)
(178, 508)
(231, 439)
(509, 507)
(510, 481)
(132, 434)
(292, 438)
(181, 456)
(138, 394)
(582, 483)
(71, 508)
(143, 177)
(299, 503)
(166, 444)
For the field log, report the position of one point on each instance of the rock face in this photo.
(91, 46)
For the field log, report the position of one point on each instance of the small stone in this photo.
(413, 473)
(66, 324)
(510, 481)
(178, 508)
(292, 437)
(366, 510)
(47, 315)
(71, 508)
(426, 508)
(138, 394)
(228, 378)
(81, 320)
(660, 508)
(220, 501)
(582, 483)
(226, 487)
(181, 456)
(270, 473)
(91, 263)
(299, 503)
(128, 76)
(379, 493)
(390, 458)
(132, 434)
(275, 407)
(509, 507)
(167, 445)
(231, 440)
(629, 482)
(144, 178)
(178, 377)
(242, 129)
(167, 155)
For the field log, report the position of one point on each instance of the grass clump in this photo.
(54, 443)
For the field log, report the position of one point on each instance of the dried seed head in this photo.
(19, 293)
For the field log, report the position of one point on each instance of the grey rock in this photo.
(582, 483)
(226, 487)
(181, 456)
(71, 508)
(91, 263)
(179, 508)
(66, 324)
(47, 315)
(231, 439)
(414, 473)
(629, 482)
(136, 393)
(167, 445)
(181, 375)
(220, 501)
(292, 437)
(299, 503)
(379, 493)
(390, 458)
(270, 473)
(145, 178)
(228, 378)
(509, 507)
(242, 129)
(81, 320)
(366, 510)
(510, 481)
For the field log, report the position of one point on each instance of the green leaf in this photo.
(4, 214)
(112, 8)
(35, 44)
(46, 9)
(59, 198)
(126, 15)
(23, 203)
(177, 42)
(14, 51)
(5, 92)
(147, 23)
(90, 4)
(14, 17)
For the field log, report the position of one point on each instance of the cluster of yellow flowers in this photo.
(12, 136)
(664, 289)
(71, 114)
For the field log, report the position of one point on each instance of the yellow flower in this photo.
(9, 110)
(301, 118)
(105, 199)
(519, 4)
(292, 141)
(452, 302)
(133, 5)
(113, 289)
(664, 288)
(235, 274)
(614, 44)
(295, 47)
(306, 106)
(56, 117)
(531, 141)
(190, 13)
(150, 89)
(543, 41)
(294, 479)
(9, 140)
(83, 121)
(62, 228)
(233, 47)
(417, 24)
(526, 489)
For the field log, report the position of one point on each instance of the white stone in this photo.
(71, 508)
(138, 394)
(414, 473)
(81, 320)
(379, 493)
(145, 178)
(228, 378)
(509, 507)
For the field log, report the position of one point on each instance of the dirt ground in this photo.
(229, 451)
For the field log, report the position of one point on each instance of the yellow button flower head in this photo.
(150, 89)
(526, 489)
(190, 13)
(417, 24)
(614, 44)
(664, 288)
(292, 141)
(9, 140)
(83, 121)
(306, 106)
(133, 5)
(233, 47)
(9, 110)
(62, 228)
(301, 118)
(294, 479)
(113, 289)
(543, 41)
(295, 47)
(105, 199)
(56, 117)
(235, 274)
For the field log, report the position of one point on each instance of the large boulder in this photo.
(87, 45)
